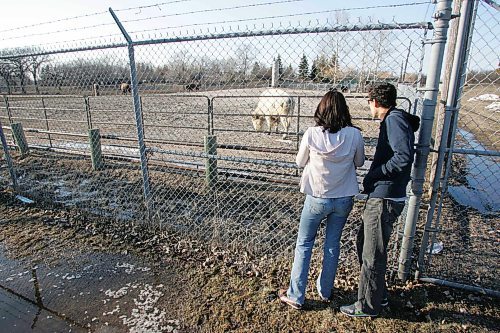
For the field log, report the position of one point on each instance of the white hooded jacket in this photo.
(329, 161)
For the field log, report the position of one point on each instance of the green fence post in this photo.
(95, 149)
(20, 138)
(211, 162)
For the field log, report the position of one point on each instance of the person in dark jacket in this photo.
(385, 184)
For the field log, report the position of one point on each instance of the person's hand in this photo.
(368, 185)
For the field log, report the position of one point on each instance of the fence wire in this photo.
(466, 240)
(209, 173)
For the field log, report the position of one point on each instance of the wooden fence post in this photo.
(211, 162)
(20, 138)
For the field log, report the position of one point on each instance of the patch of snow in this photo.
(485, 97)
(118, 293)
(132, 268)
(146, 316)
(495, 106)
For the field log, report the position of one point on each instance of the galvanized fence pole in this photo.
(442, 17)
(275, 74)
(138, 116)
(9, 113)
(88, 113)
(8, 159)
(453, 94)
(46, 122)
(447, 67)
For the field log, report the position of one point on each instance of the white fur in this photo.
(274, 106)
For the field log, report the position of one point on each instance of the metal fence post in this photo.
(442, 17)
(441, 112)
(138, 116)
(87, 112)
(275, 74)
(456, 79)
(9, 113)
(46, 122)
(8, 159)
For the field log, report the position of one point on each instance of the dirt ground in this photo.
(215, 290)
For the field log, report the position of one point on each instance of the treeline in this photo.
(242, 68)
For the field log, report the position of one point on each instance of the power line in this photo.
(152, 5)
(214, 10)
(55, 21)
(149, 18)
(58, 31)
(427, 9)
(92, 14)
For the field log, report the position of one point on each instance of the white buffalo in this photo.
(274, 106)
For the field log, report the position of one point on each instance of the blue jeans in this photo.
(336, 211)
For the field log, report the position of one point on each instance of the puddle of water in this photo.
(20, 315)
(483, 178)
(100, 292)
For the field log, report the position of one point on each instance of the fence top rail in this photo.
(293, 31)
(213, 36)
(493, 153)
(41, 96)
(358, 96)
(67, 50)
(145, 96)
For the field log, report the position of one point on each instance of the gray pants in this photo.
(379, 216)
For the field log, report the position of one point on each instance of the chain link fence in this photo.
(169, 132)
(465, 228)
(199, 168)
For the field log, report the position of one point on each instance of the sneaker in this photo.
(285, 299)
(351, 311)
(385, 302)
(326, 299)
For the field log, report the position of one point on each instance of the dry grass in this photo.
(219, 290)
(476, 119)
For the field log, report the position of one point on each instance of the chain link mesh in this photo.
(466, 242)
(202, 169)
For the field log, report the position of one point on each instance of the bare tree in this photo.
(245, 56)
(35, 63)
(19, 61)
(179, 67)
(6, 74)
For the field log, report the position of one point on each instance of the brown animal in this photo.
(125, 88)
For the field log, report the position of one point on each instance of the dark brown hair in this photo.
(384, 93)
(332, 112)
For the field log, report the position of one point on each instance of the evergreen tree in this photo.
(256, 70)
(313, 75)
(303, 67)
(288, 72)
